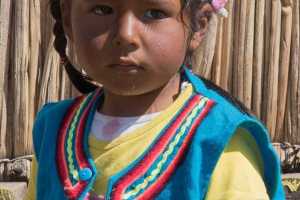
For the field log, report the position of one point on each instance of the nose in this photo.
(126, 34)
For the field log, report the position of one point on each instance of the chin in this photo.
(130, 91)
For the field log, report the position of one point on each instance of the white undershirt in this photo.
(107, 128)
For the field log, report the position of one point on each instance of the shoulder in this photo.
(225, 104)
(227, 116)
(227, 110)
(51, 108)
(225, 96)
(49, 111)
(237, 118)
(230, 111)
(47, 120)
(213, 91)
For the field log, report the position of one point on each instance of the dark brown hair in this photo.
(81, 81)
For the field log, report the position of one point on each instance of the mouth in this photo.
(126, 64)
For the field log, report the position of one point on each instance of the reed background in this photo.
(254, 54)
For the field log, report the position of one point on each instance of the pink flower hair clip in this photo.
(219, 7)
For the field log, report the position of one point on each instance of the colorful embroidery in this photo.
(166, 155)
(70, 138)
(147, 177)
(74, 169)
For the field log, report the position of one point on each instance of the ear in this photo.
(65, 9)
(202, 16)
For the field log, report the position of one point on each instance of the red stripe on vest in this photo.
(154, 152)
(162, 180)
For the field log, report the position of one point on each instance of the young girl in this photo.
(153, 130)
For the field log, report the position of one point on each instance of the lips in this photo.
(126, 64)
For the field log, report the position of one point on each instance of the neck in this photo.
(154, 101)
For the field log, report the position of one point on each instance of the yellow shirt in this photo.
(238, 173)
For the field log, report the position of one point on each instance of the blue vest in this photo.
(185, 169)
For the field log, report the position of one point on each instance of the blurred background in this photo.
(254, 54)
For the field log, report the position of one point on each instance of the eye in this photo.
(155, 14)
(102, 10)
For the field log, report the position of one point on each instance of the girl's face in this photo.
(131, 47)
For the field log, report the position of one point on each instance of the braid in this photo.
(81, 81)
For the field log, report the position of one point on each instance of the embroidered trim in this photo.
(147, 177)
(70, 138)
(167, 153)
(70, 147)
(154, 169)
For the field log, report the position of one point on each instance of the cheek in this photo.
(89, 43)
(168, 48)
(89, 36)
